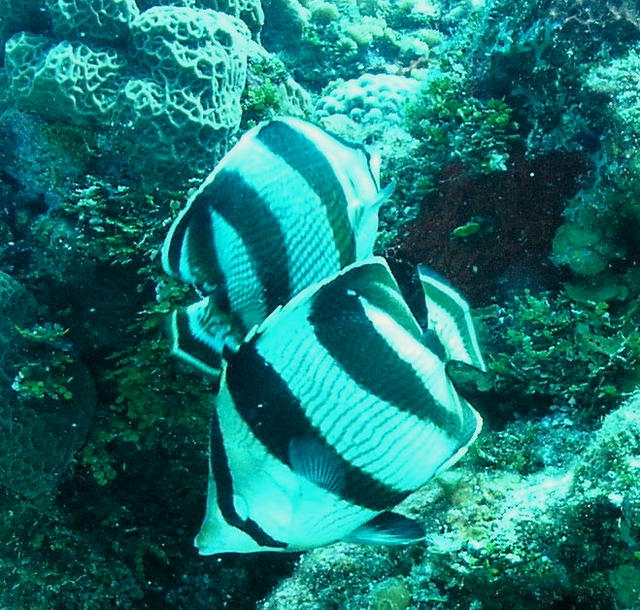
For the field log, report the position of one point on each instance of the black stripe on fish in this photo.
(224, 490)
(374, 280)
(301, 154)
(249, 215)
(276, 417)
(338, 316)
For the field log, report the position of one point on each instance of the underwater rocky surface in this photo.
(511, 130)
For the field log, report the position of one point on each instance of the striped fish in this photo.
(288, 206)
(329, 414)
(449, 318)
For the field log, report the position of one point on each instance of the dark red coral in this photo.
(515, 214)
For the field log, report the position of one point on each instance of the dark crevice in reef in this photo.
(515, 215)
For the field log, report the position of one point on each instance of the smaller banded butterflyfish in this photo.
(287, 206)
(330, 412)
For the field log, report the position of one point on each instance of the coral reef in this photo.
(542, 79)
(512, 130)
(325, 40)
(559, 65)
(20, 16)
(454, 127)
(548, 351)
(368, 98)
(369, 109)
(17, 309)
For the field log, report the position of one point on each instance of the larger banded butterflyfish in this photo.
(330, 412)
(289, 205)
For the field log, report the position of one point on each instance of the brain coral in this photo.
(162, 87)
(250, 11)
(196, 60)
(96, 19)
(62, 81)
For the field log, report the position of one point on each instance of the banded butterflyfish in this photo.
(330, 412)
(289, 205)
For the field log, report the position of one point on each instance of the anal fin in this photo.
(387, 528)
(450, 319)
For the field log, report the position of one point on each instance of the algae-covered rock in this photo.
(582, 248)
(286, 21)
(18, 15)
(46, 398)
(589, 240)
(270, 90)
(608, 474)
(17, 308)
(617, 82)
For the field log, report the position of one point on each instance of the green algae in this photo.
(553, 350)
